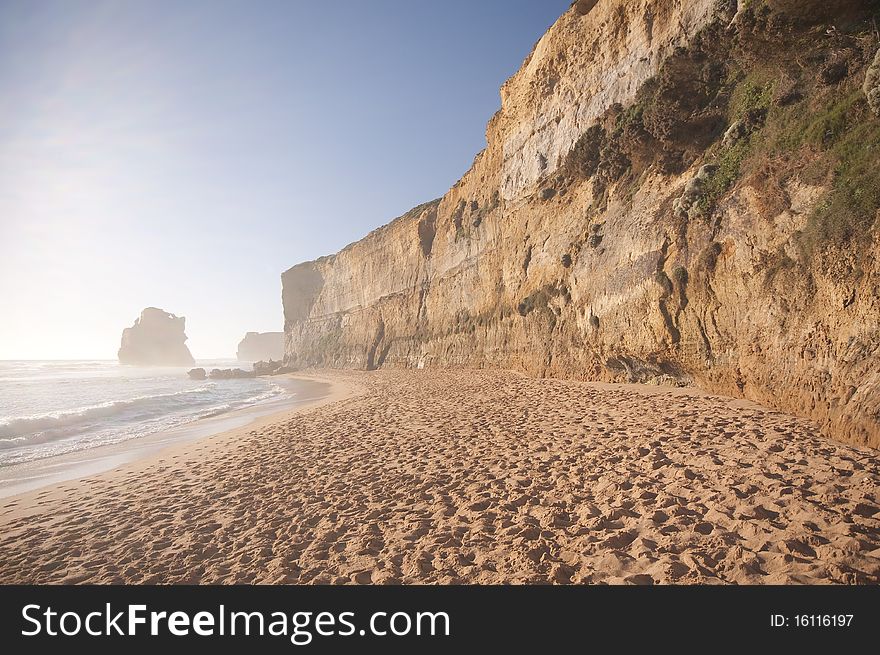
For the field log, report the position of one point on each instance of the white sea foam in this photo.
(15, 428)
(51, 408)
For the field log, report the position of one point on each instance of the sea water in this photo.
(50, 408)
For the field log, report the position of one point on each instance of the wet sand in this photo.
(470, 477)
(28, 476)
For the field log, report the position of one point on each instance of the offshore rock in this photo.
(197, 374)
(259, 346)
(157, 338)
(270, 367)
(230, 374)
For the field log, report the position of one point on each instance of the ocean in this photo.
(52, 408)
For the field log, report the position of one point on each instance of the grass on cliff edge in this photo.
(830, 138)
(753, 92)
(845, 135)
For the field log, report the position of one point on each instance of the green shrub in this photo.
(729, 164)
(680, 274)
(752, 93)
(846, 214)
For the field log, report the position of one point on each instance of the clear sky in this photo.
(182, 154)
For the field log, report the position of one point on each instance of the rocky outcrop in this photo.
(580, 245)
(259, 346)
(230, 374)
(157, 338)
(270, 367)
(197, 374)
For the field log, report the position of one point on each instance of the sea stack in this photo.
(261, 346)
(157, 338)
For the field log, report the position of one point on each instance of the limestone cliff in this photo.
(676, 191)
(157, 338)
(261, 346)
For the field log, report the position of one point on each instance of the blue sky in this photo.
(183, 154)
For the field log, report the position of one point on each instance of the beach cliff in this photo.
(672, 191)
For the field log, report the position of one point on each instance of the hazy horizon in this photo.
(180, 155)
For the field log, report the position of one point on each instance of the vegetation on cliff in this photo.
(713, 224)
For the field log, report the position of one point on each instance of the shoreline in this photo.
(469, 477)
(76, 467)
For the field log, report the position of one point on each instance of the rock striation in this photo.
(261, 346)
(669, 193)
(157, 338)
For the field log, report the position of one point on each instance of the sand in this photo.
(27, 476)
(470, 477)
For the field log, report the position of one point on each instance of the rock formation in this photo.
(197, 374)
(270, 367)
(579, 244)
(157, 338)
(259, 346)
(230, 374)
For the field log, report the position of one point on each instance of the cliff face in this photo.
(157, 338)
(673, 191)
(261, 346)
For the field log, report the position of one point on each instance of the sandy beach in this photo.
(469, 477)
(21, 478)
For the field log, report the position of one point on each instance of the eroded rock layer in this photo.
(676, 191)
